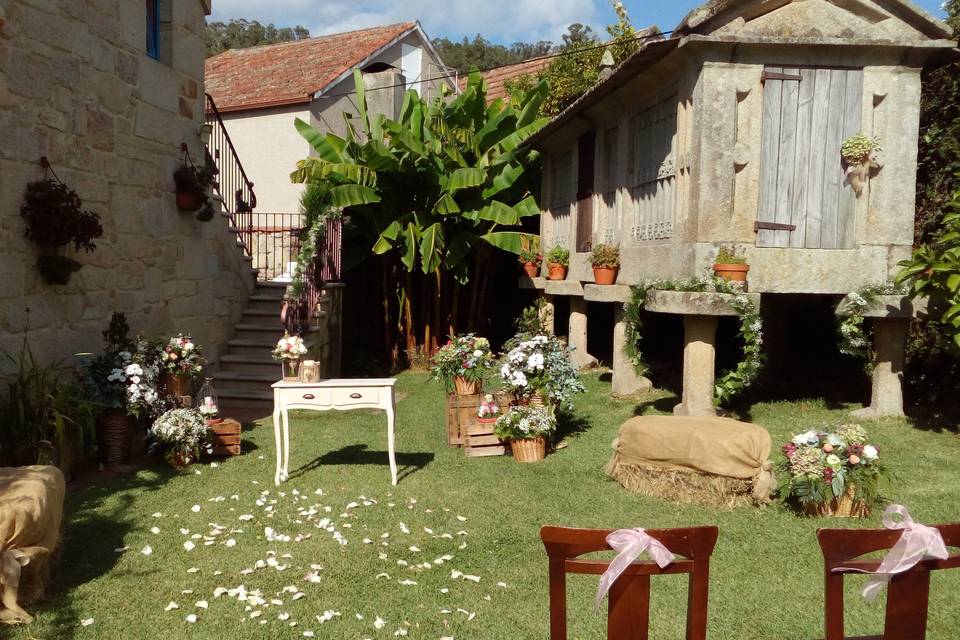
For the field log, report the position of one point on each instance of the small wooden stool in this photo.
(225, 438)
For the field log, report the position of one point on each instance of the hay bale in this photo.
(684, 486)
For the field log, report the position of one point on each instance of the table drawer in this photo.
(350, 397)
(314, 397)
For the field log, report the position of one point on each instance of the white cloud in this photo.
(499, 20)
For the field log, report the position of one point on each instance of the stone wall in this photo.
(77, 87)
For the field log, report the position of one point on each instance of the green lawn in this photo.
(483, 515)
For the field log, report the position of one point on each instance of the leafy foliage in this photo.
(318, 211)
(855, 340)
(559, 255)
(727, 255)
(605, 255)
(730, 383)
(479, 54)
(858, 148)
(572, 74)
(239, 34)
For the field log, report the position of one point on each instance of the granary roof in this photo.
(292, 72)
(705, 21)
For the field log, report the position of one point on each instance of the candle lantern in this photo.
(207, 403)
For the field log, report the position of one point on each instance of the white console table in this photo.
(340, 395)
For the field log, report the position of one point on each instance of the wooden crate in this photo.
(225, 438)
(462, 415)
(481, 441)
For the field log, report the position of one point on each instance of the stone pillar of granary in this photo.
(891, 320)
(625, 379)
(700, 311)
(577, 334)
(547, 313)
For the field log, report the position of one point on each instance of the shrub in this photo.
(726, 255)
(605, 255)
(559, 255)
(530, 250)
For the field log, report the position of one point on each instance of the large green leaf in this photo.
(511, 241)
(464, 178)
(532, 103)
(446, 205)
(515, 139)
(361, 94)
(410, 237)
(350, 195)
(500, 213)
(503, 180)
(387, 239)
(431, 247)
(328, 146)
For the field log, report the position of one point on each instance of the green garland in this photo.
(855, 340)
(730, 383)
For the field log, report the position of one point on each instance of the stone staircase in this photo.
(247, 369)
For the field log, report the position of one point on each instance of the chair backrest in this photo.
(907, 592)
(628, 611)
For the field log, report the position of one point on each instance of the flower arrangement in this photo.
(859, 148)
(289, 348)
(181, 357)
(525, 422)
(819, 467)
(466, 357)
(208, 408)
(125, 375)
(489, 409)
(855, 340)
(182, 431)
(605, 255)
(540, 364)
(559, 256)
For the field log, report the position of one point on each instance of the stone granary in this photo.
(727, 133)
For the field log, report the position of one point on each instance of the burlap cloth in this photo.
(717, 446)
(31, 510)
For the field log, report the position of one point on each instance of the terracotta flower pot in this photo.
(731, 272)
(605, 275)
(188, 201)
(531, 269)
(465, 387)
(556, 271)
(114, 434)
(529, 449)
(486, 421)
(177, 385)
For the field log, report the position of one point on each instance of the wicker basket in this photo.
(529, 449)
(846, 506)
(114, 434)
(465, 387)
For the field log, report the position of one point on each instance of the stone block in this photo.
(694, 303)
(607, 293)
(34, 76)
(890, 307)
(563, 288)
(531, 283)
(100, 130)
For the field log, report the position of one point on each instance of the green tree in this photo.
(481, 54)
(433, 192)
(239, 34)
(571, 74)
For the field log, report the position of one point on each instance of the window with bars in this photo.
(652, 173)
(561, 196)
(805, 201)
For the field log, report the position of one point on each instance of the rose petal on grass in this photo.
(147, 550)
(170, 607)
(379, 623)
(191, 618)
(189, 546)
(86, 622)
(195, 508)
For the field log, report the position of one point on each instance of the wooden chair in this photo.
(907, 593)
(628, 616)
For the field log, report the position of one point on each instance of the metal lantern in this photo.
(207, 403)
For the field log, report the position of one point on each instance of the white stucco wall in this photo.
(269, 147)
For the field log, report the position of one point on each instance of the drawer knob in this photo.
(355, 396)
(308, 396)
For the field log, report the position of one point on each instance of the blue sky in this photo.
(503, 21)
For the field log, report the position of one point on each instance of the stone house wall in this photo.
(77, 86)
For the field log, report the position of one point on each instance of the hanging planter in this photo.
(858, 157)
(55, 219)
(192, 186)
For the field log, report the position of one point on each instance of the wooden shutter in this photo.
(804, 200)
(585, 176)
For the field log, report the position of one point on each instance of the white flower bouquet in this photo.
(525, 423)
(289, 348)
(540, 364)
(182, 431)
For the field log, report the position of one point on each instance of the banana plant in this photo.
(443, 178)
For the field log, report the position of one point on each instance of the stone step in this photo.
(265, 303)
(246, 382)
(245, 331)
(249, 364)
(259, 348)
(231, 399)
(265, 317)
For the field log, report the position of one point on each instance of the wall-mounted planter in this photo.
(187, 201)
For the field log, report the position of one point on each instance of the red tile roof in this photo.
(497, 78)
(291, 72)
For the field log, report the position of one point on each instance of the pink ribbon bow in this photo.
(630, 543)
(916, 543)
